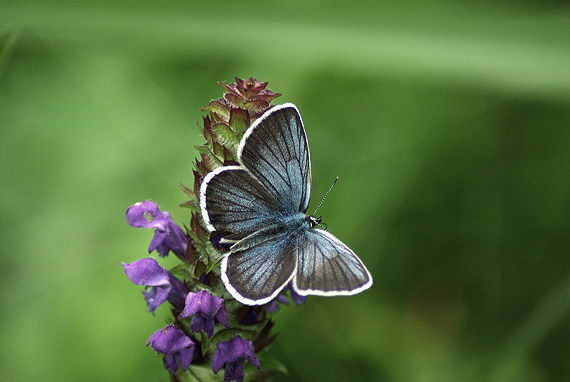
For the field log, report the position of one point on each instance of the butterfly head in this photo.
(313, 221)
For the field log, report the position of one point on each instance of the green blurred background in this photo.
(447, 122)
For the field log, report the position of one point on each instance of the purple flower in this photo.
(161, 284)
(233, 354)
(205, 307)
(273, 305)
(176, 346)
(296, 297)
(168, 235)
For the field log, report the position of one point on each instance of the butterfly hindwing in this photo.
(327, 267)
(256, 275)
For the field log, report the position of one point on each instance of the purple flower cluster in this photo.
(204, 326)
(178, 351)
(176, 346)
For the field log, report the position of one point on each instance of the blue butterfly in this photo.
(258, 209)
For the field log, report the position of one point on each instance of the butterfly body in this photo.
(258, 209)
(283, 230)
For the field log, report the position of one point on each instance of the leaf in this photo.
(226, 136)
(239, 120)
(212, 265)
(188, 191)
(226, 335)
(206, 151)
(200, 373)
(218, 109)
(191, 204)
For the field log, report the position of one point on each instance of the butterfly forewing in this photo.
(233, 201)
(275, 150)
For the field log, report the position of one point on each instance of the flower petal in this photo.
(146, 215)
(219, 358)
(200, 322)
(207, 304)
(186, 356)
(169, 340)
(222, 316)
(191, 305)
(155, 296)
(147, 272)
(250, 353)
(234, 371)
(166, 287)
(171, 362)
(158, 241)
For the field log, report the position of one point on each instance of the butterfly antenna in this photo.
(324, 197)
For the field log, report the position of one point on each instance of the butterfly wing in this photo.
(232, 201)
(256, 275)
(275, 150)
(326, 266)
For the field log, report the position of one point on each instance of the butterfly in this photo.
(258, 208)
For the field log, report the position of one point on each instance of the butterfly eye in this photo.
(313, 221)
